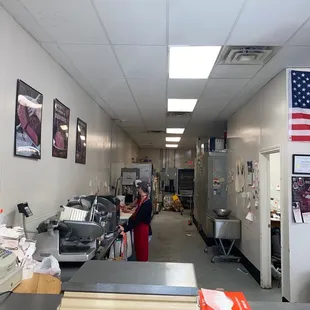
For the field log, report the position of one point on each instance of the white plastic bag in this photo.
(49, 265)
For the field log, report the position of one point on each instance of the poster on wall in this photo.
(80, 148)
(28, 118)
(61, 117)
(301, 199)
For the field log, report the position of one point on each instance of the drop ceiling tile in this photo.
(287, 57)
(155, 123)
(216, 96)
(302, 36)
(150, 94)
(185, 88)
(202, 22)
(217, 88)
(94, 61)
(175, 122)
(24, 18)
(115, 92)
(265, 22)
(153, 117)
(234, 71)
(70, 21)
(135, 21)
(143, 61)
(130, 115)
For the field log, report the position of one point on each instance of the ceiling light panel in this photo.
(175, 130)
(173, 139)
(192, 62)
(181, 105)
(171, 145)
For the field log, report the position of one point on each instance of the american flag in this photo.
(299, 109)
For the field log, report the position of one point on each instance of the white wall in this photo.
(169, 158)
(154, 155)
(275, 177)
(258, 125)
(263, 124)
(49, 182)
(123, 150)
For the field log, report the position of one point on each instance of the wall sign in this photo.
(301, 164)
(61, 116)
(28, 118)
(81, 137)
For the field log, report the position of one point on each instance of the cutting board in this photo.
(80, 300)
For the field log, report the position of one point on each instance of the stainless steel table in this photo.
(134, 277)
(223, 229)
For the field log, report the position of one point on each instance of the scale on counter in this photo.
(10, 273)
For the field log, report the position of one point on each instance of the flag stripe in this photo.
(300, 127)
(300, 115)
(299, 133)
(300, 138)
(299, 121)
(298, 110)
(299, 105)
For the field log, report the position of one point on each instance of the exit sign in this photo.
(190, 162)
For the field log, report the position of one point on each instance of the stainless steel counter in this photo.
(137, 277)
(51, 302)
(221, 228)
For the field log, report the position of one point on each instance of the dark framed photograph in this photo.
(81, 140)
(301, 164)
(61, 119)
(28, 121)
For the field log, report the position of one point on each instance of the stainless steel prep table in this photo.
(134, 277)
(51, 302)
(223, 229)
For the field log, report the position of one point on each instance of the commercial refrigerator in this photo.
(210, 185)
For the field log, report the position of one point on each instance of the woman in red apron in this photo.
(139, 222)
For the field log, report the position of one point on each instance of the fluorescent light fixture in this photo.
(82, 138)
(192, 62)
(79, 128)
(173, 139)
(181, 105)
(177, 131)
(84, 144)
(171, 145)
(64, 127)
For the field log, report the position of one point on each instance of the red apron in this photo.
(141, 238)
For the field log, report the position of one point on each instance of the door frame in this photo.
(265, 229)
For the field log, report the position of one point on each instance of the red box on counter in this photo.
(218, 300)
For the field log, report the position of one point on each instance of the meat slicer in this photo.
(75, 233)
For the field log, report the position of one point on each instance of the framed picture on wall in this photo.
(301, 164)
(28, 121)
(61, 118)
(81, 140)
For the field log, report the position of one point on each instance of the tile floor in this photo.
(170, 244)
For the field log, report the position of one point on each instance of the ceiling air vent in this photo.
(179, 114)
(155, 131)
(246, 55)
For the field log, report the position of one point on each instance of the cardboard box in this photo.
(217, 300)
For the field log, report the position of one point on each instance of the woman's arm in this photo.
(144, 215)
(133, 204)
